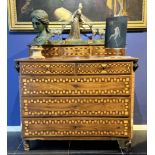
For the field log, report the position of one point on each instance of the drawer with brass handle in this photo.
(47, 68)
(105, 68)
(76, 68)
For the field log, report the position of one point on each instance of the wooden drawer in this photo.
(75, 106)
(47, 68)
(76, 51)
(76, 68)
(45, 127)
(75, 85)
(105, 68)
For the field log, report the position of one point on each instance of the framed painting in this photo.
(60, 11)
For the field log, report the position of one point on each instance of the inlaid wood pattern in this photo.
(41, 107)
(75, 85)
(79, 50)
(47, 68)
(77, 98)
(50, 52)
(76, 127)
(105, 68)
(79, 68)
(76, 51)
(102, 51)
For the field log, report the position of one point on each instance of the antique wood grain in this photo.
(104, 68)
(75, 85)
(132, 103)
(77, 98)
(47, 68)
(75, 106)
(76, 138)
(80, 68)
(79, 50)
(77, 126)
(81, 59)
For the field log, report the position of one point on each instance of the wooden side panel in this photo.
(75, 106)
(76, 127)
(132, 103)
(75, 85)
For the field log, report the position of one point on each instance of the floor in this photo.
(15, 146)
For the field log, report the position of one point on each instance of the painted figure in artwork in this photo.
(119, 7)
(116, 28)
(115, 35)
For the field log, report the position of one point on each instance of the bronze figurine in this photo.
(40, 24)
(77, 21)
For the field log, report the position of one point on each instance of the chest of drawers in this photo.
(77, 99)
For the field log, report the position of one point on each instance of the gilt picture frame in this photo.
(19, 13)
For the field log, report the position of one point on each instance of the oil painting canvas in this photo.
(60, 11)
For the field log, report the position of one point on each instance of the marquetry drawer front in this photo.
(102, 51)
(76, 127)
(75, 85)
(105, 68)
(62, 106)
(79, 68)
(47, 68)
(76, 51)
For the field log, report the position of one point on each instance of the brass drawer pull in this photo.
(104, 65)
(48, 69)
(103, 68)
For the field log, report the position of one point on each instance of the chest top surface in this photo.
(80, 59)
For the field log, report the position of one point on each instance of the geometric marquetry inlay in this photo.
(101, 51)
(75, 85)
(76, 127)
(64, 49)
(80, 51)
(47, 68)
(77, 98)
(105, 68)
(76, 51)
(76, 106)
(70, 68)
